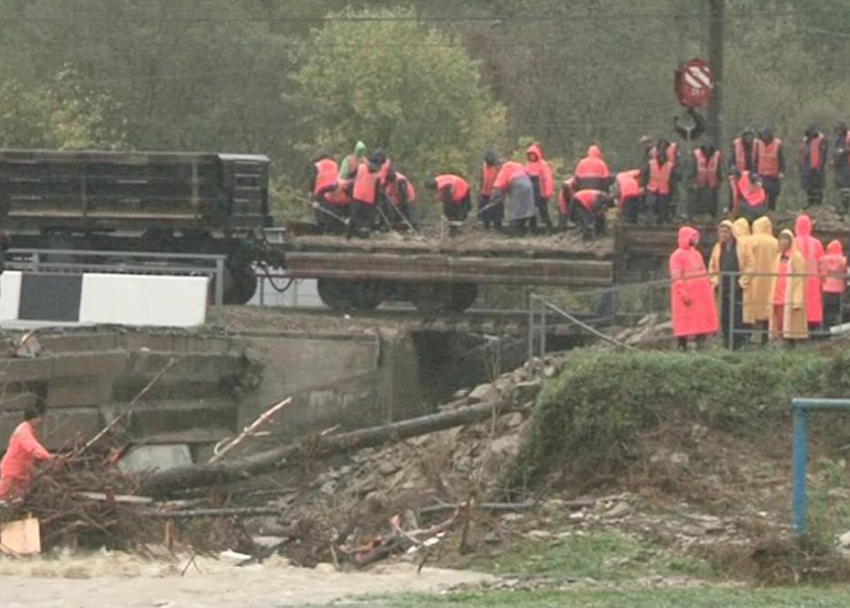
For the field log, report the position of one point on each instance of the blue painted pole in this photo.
(798, 473)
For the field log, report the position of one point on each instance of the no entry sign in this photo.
(693, 83)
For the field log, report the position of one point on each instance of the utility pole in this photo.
(717, 9)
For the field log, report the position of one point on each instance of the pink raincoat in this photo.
(812, 251)
(691, 296)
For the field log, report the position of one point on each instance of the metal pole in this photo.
(219, 290)
(36, 261)
(717, 8)
(543, 333)
(798, 473)
(733, 278)
(531, 327)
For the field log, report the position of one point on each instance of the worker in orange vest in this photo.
(842, 167)
(752, 198)
(833, 267)
(656, 180)
(813, 153)
(402, 199)
(705, 180)
(565, 197)
(453, 193)
(491, 213)
(592, 172)
(587, 210)
(770, 164)
(627, 185)
(323, 181)
(673, 159)
(540, 174)
(364, 198)
(741, 158)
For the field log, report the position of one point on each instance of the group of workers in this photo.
(366, 191)
(783, 288)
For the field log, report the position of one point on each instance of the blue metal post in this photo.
(798, 473)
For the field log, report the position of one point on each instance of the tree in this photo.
(381, 77)
(61, 114)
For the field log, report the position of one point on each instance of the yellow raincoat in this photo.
(741, 230)
(763, 250)
(795, 325)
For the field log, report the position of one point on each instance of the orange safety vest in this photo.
(586, 198)
(672, 152)
(814, 151)
(754, 195)
(767, 158)
(659, 177)
(459, 186)
(835, 272)
(366, 184)
(488, 177)
(707, 169)
(338, 197)
(326, 175)
(392, 190)
(740, 154)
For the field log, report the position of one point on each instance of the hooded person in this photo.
(770, 164)
(692, 302)
(512, 181)
(540, 174)
(453, 194)
(812, 251)
(349, 164)
(834, 270)
(657, 182)
(788, 314)
(324, 182)
(592, 172)
(842, 166)
(763, 248)
(628, 195)
(813, 153)
(729, 259)
(706, 175)
(490, 214)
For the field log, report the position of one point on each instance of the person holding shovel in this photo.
(20, 458)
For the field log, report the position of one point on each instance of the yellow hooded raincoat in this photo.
(795, 325)
(744, 261)
(763, 251)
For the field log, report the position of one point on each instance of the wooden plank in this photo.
(21, 537)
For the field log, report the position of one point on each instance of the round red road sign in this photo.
(693, 83)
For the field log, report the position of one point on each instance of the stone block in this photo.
(61, 425)
(26, 370)
(159, 457)
(104, 364)
(82, 391)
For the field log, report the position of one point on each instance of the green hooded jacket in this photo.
(345, 168)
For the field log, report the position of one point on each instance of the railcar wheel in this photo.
(336, 294)
(463, 296)
(240, 283)
(367, 295)
(432, 298)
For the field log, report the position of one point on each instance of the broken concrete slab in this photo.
(161, 457)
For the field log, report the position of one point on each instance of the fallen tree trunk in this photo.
(163, 482)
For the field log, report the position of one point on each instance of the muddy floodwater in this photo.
(106, 580)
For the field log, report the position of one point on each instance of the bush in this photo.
(588, 421)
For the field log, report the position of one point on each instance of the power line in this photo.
(491, 19)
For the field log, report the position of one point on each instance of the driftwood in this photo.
(197, 513)
(484, 506)
(249, 430)
(164, 482)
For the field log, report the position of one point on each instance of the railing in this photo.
(69, 261)
(625, 305)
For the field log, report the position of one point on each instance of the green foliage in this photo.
(702, 597)
(589, 419)
(598, 555)
(397, 85)
(61, 114)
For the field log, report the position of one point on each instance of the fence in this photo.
(67, 261)
(643, 304)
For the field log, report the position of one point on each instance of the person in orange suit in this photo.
(812, 251)
(692, 303)
(834, 272)
(20, 458)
